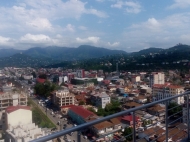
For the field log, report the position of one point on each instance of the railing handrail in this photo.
(85, 125)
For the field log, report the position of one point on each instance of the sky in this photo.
(129, 25)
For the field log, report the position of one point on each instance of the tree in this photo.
(43, 76)
(126, 132)
(44, 89)
(174, 108)
(91, 109)
(81, 103)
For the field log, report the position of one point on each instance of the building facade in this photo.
(63, 98)
(100, 99)
(80, 73)
(157, 78)
(21, 129)
(160, 92)
(10, 99)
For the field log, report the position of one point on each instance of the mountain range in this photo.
(63, 53)
(89, 56)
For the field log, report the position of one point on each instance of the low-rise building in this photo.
(162, 91)
(80, 115)
(63, 98)
(157, 110)
(100, 99)
(128, 119)
(140, 99)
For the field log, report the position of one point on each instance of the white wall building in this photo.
(100, 99)
(135, 78)
(10, 99)
(160, 91)
(157, 78)
(63, 79)
(21, 129)
(28, 77)
(80, 73)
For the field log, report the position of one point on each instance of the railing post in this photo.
(134, 131)
(166, 120)
(188, 116)
(78, 136)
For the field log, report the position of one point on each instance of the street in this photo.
(55, 119)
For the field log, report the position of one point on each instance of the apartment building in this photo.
(100, 99)
(63, 98)
(21, 129)
(80, 73)
(157, 78)
(10, 99)
(135, 78)
(161, 91)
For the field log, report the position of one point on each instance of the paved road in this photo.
(56, 119)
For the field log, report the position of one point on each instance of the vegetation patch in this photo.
(38, 117)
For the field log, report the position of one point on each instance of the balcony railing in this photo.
(166, 130)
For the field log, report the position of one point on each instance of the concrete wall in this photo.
(20, 116)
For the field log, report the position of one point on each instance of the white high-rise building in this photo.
(157, 78)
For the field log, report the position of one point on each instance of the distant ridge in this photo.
(50, 56)
(63, 53)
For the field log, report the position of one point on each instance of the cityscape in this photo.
(94, 71)
(49, 100)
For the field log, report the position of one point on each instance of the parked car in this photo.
(85, 137)
(71, 134)
(53, 129)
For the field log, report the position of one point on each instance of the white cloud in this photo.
(118, 4)
(4, 40)
(35, 38)
(129, 6)
(40, 24)
(115, 44)
(100, 0)
(91, 39)
(180, 4)
(82, 28)
(97, 13)
(59, 36)
(164, 32)
(69, 28)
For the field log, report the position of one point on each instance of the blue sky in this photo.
(129, 25)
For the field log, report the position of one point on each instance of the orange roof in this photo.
(103, 125)
(166, 85)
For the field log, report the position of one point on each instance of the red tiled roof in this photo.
(40, 80)
(130, 118)
(67, 106)
(14, 108)
(84, 113)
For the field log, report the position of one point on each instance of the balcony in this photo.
(162, 127)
